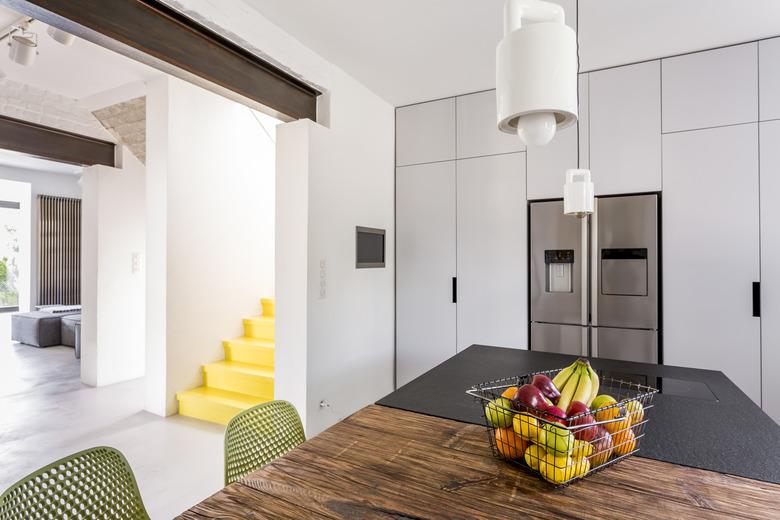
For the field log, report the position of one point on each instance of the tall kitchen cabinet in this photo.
(461, 265)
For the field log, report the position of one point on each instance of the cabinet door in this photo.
(425, 132)
(711, 252)
(711, 88)
(625, 129)
(770, 268)
(425, 267)
(478, 132)
(769, 78)
(492, 252)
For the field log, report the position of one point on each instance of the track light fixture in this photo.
(60, 36)
(23, 47)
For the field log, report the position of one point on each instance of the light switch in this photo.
(323, 279)
(135, 263)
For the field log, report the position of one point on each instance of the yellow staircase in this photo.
(245, 378)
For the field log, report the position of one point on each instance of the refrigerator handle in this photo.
(585, 282)
(756, 299)
(595, 266)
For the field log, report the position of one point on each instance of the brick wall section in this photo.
(47, 108)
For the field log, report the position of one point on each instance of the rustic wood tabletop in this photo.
(387, 463)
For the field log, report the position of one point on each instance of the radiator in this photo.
(59, 250)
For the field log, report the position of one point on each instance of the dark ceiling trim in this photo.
(54, 144)
(151, 28)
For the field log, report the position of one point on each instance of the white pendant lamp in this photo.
(536, 71)
(60, 36)
(578, 193)
(23, 48)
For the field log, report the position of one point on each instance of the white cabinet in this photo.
(711, 88)
(478, 132)
(492, 253)
(711, 252)
(769, 78)
(425, 132)
(425, 267)
(770, 268)
(625, 129)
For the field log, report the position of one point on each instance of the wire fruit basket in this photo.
(563, 449)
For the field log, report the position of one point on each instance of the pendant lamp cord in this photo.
(577, 35)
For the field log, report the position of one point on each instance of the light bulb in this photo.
(536, 129)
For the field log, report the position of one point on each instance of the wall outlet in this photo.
(135, 263)
(323, 279)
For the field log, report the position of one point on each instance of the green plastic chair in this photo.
(259, 435)
(94, 483)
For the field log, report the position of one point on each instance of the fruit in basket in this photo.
(602, 447)
(546, 386)
(619, 422)
(527, 426)
(554, 414)
(509, 444)
(601, 401)
(582, 450)
(533, 455)
(578, 468)
(635, 411)
(528, 398)
(509, 393)
(498, 413)
(555, 468)
(559, 440)
(581, 380)
(581, 426)
(625, 442)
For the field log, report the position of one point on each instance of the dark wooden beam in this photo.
(54, 144)
(152, 32)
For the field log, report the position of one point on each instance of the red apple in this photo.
(545, 384)
(555, 414)
(529, 398)
(582, 432)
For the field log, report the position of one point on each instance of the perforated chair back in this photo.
(259, 435)
(94, 483)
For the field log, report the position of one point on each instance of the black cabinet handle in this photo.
(454, 289)
(756, 299)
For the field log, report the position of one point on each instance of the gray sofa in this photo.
(47, 329)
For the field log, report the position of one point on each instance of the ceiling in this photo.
(415, 50)
(78, 71)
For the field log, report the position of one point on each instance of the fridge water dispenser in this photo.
(559, 266)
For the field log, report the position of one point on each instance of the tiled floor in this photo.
(46, 413)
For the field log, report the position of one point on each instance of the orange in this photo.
(622, 422)
(509, 393)
(624, 441)
(607, 413)
(510, 445)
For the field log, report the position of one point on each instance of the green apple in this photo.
(559, 441)
(600, 401)
(498, 413)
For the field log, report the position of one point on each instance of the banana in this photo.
(594, 385)
(569, 389)
(582, 393)
(560, 379)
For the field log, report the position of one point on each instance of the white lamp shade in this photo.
(23, 49)
(536, 72)
(60, 36)
(578, 193)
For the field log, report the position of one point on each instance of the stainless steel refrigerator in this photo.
(594, 282)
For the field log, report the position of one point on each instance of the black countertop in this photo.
(700, 418)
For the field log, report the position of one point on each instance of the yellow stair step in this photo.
(259, 327)
(269, 307)
(214, 405)
(243, 378)
(249, 350)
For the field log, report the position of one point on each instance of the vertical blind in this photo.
(59, 251)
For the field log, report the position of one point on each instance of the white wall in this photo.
(113, 290)
(41, 183)
(210, 210)
(17, 191)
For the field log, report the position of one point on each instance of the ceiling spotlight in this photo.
(23, 48)
(60, 36)
(536, 71)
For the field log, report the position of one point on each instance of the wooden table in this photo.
(387, 463)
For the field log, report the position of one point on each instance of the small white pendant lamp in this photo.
(23, 48)
(578, 193)
(60, 36)
(536, 71)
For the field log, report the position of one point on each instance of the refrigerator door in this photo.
(558, 260)
(625, 262)
(625, 344)
(561, 339)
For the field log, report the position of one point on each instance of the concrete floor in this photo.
(46, 413)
